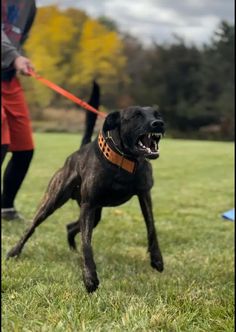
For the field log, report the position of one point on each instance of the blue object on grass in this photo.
(229, 215)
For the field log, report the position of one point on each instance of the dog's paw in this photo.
(91, 282)
(157, 263)
(14, 252)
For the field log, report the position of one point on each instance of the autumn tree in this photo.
(100, 57)
(71, 49)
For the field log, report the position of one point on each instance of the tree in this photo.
(46, 48)
(100, 57)
(71, 49)
(218, 77)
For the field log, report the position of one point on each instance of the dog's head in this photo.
(136, 130)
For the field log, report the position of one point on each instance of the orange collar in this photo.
(114, 157)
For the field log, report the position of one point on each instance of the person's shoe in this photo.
(10, 214)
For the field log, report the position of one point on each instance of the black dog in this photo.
(106, 172)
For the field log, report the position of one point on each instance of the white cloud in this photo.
(195, 20)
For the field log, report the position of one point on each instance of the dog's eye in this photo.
(156, 114)
(138, 114)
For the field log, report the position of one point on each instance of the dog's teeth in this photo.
(155, 135)
(149, 136)
(141, 144)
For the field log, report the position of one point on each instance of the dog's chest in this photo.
(115, 197)
(115, 193)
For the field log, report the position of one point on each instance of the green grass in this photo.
(43, 290)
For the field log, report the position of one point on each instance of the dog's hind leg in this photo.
(153, 246)
(58, 192)
(74, 228)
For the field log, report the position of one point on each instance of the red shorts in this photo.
(16, 125)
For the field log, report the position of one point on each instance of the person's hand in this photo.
(23, 65)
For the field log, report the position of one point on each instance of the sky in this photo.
(158, 20)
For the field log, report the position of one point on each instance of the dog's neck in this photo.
(112, 151)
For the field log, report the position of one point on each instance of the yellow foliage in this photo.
(71, 49)
(100, 56)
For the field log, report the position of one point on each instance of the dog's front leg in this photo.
(153, 246)
(87, 215)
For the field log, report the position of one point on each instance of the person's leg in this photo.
(4, 149)
(21, 146)
(14, 175)
(5, 137)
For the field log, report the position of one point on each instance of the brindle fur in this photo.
(94, 183)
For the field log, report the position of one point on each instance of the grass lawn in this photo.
(43, 289)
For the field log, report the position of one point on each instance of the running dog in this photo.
(106, 172)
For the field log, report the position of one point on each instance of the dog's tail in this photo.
(90, 119)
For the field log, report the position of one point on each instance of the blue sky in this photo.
(158, 20)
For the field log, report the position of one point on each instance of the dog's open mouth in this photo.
(148, 144)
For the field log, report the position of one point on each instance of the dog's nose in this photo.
(157, 123)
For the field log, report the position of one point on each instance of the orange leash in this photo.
(66, 94)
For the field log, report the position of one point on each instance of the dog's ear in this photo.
(112, 121)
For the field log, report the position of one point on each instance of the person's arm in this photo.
(10, 56)
(9, 52)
